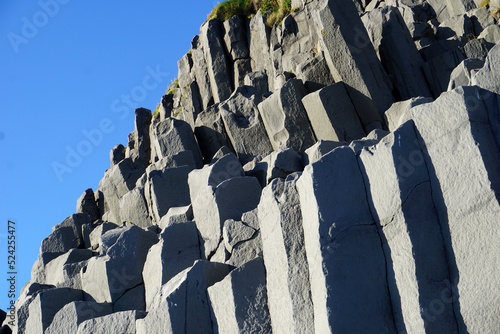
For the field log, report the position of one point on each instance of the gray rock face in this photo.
(278, 164)
(107, 278)
(133, 208)
(235, 38)
(201, 72)
(315, 73)
(258, 39)
(175, 215)
(285, 119)
(98, 232)
(397, 52)
(117, 154)
(438, 70)
(463, 73)
(258, 80)
(177, 250)
(488, 77)
(318, 150)
(182, 305)
(346, 41)
(287, 272)
(339, 231)
(239, 301)
(491, 34)
(399, 112)
(64, 271)
(141, 152)
(244, 125)
(218, 68)
(87, 204)
(116, 323)
(73, 314)
(332, 114)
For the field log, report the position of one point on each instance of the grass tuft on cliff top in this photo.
(227, 9)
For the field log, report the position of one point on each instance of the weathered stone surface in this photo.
(332, 114)
(98, 232)
(191, 104)
(239, 301)
(461, 145)
(87, 204)
(167, 188)
(45, 305)
(371, 139)
(215, 204)
(258, 80)
(345, 42)
(218, 68)
(164, 111)
(107, 278)
(278, 164)
(318, 150)
(315, 73)
(399, 112)
(210, 132)
(397, 52)
(438, 70)
(133, 299)
(133, 208)
(491, 34)
(184, 66)
(178, 214)
(258, 39)
(211, 175)
(285, 119)
(141, 152)
(182, 304)
(115, 323)
(173, 136)
(463, 73)
(459, 26)
(64, 271)
(177, 250)
(476, 48)
(235, 232)
(244, 125)
(220, 154)
(242, 67)
(339, 233)
(60, 241)
(287, 272)
(488, 77)
(117, 154)
(201, 72)
(73, 314)
(235, 38)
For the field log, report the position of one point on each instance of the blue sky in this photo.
(71, 74)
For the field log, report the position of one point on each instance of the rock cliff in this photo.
(336, 173)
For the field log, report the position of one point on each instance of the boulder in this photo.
(397, 52)
(235, 232)
(115, 323)
(167, 188)
(98, 232)
(177, 250)
(285, 119)
(108, 277)
(258, 80)
(287, 272)
(133, 208)
(314, 72)
(476, 48)
(399, 112)
(339, 233)
(173, 136)
(117, 154)
(215, 204)
(460, 26)
(68, 318)
(141, 152)
(488, 77)
(332, 114)
(45, 305)
(244, 125)
(87, 204)
(132, 300)
(182, 305)
(460, 134)
(239, 301)
(491, 34)
(178, 214)
(215, 56)
(243, 246)
(64, 271)
(210, 132)
(463, 73)
(318, 150)
(346, 41)
(278, 164)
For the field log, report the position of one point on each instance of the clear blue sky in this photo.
(67, 70)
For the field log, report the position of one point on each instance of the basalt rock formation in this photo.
(336, 173)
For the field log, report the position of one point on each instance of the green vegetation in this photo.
(485, 2)
(173, 86)
(247, 8)
(156, 114)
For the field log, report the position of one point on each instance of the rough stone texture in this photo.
(87, 204)
(258, 39)
(258, 80)
(463, 73)
(315, 73)
(178, 214)
(491, 34)
(438, 70)
(141, 152)
(339, 233)
(172, 136)
(278, 164)
(287, 272)
(397, 52)
(107, 278)
(117, 154)
(45, 305)
(285, 119)
(73, 314)
(351, 57)
(201, 72)
(98, 232)
(218, 68)
(468, 211)
(318, 150)
(215, 204)
(239, 301)
(488, 77)
(332, 114)
(133, 299)
(177, 250)
(476, 48)
(64, 271)
(235, 232)
(399, 112)
(182, 304)
(133, 208)
(235, 39)
(210, 132)
(116, 323)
